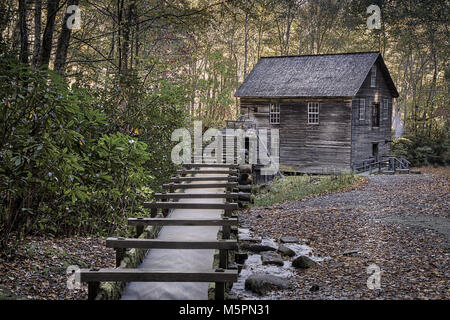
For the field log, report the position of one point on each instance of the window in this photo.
(362, 108)
(376, 115)
(373, 77)
(313, 113)
(274, 113)
(385, 108)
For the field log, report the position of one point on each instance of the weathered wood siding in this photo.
(364, 135)
(305, 147)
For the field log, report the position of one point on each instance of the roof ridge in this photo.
(322, 54)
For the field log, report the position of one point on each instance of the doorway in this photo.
(375, 150)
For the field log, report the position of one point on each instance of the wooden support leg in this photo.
(120, 254)
(165, 212)
(227, 213)
(219, 293)
(223, 259)
(226, 232)
(139, 231)
(153, 212)
(93, 290)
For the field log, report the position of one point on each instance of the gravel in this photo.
(398, 222)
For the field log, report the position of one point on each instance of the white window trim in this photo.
(373, 77)
(274, 115)
(310, 112)
(362, 109)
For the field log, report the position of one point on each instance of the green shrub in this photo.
(61, 172)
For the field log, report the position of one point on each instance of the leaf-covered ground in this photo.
(400, 223)
(37, 270)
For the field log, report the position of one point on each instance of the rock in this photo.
(303, 262)
(288, 239)
(350, 252)
(247, 238)
(256, 247)
(240, 257)
(272, 258)
(263, 283)
(286, 251)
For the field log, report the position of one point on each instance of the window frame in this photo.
(376, 116)
(363, 109)
(274, 114)
(373, 77)
(385, 108)
(314, 114)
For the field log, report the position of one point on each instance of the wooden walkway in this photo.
(179, 264)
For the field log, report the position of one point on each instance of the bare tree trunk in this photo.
(63, 42)
(47, 39)
(37, 31)
(246, 39)
(24, 52)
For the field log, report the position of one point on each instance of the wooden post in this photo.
(120, 253)
(139, 230)
(223, 258)
(93, 290)
(219, 292)
(226, 230)
(165, 212)
(153, 212)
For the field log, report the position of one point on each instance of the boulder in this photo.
(272, 258)
(263, 283)
(288, 239)
(247, 238)
(303, 262)
(286, 251)
(257, 247)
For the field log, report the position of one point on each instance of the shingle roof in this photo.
(328, 75)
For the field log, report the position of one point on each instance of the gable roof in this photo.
(328, 75)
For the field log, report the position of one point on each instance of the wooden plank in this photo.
(188, 205)
(175, 186)
(159, 196)
(166, 244)
(150, 275)
(224, 171)
(181, 222)
(210, 178)
(209, 165)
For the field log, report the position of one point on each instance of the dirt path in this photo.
(401, 223)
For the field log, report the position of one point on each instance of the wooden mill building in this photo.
(333, 111)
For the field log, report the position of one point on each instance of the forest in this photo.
(91, 91)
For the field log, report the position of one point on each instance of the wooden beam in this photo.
(181, 222)
(209, 165)
(188, 205)
(168, 244)
(224, 171)
(160, 196)
(150, 275)
(175, 186)
(210, 178)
